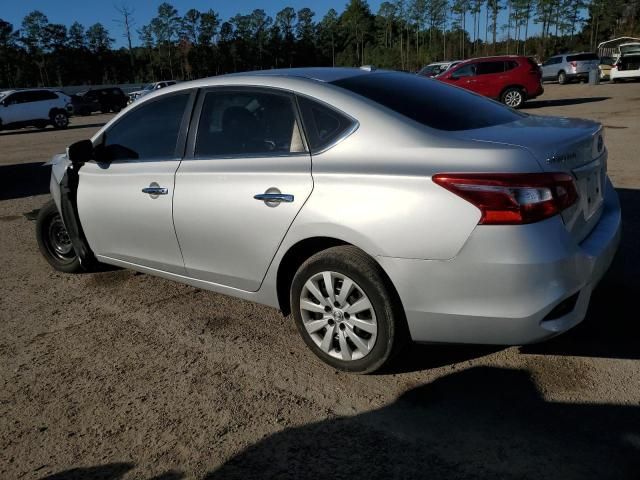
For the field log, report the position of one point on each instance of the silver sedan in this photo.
(376, 207)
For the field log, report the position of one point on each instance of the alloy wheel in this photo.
(338, 316)
(60, 120)
(513, 98)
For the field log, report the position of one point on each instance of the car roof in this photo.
(573, 53)
(321, 74)
(495, 57)
(31, 90)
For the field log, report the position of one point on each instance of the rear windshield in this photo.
(429, 102)
(582, 57)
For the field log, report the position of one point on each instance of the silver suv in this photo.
(376, 207)
(569, 66)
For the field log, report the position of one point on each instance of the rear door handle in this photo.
(155, 190)
(274, 197)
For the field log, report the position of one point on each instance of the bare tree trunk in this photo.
(526, 28)
(508, 26)
(486, 29)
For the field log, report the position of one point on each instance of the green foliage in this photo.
(402, 34)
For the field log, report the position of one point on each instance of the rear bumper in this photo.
(579, 75)
(615, 74)
(536, 93)
(505, 284)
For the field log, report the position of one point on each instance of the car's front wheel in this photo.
(54, 242)
(346, 311)
(513, 97)
(59, 119)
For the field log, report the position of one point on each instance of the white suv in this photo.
(38, 108)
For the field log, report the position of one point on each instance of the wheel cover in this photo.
(60, 119)
(338, 316)
(513, 98)
(59, 242)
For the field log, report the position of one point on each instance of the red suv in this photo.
(509, 79)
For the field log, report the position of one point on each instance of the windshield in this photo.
(3, 94)
(429, 102)
(430, 70)
(149, 86)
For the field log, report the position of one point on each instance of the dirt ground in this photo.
(119, 375)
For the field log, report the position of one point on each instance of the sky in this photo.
(89, 12)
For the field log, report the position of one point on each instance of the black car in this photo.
(104, 100)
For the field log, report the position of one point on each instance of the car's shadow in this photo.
(480, 423)
(26, 131)
(611, 328)
(561, 102)
(24, 180)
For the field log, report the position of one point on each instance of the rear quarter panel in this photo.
(374, 189)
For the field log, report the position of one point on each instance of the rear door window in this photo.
(429, 102)
(247, 123)
(323, 124)
(487, 68)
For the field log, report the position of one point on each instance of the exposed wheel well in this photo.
(299, 253)
(292, 260)
(55, 110)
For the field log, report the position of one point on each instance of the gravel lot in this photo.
(119, 375)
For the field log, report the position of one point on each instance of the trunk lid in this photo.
(566, 145)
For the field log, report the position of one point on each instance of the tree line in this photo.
(402, 34)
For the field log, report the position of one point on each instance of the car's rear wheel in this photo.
(562, 78)
(54, 242)
(513, 97)
(346, 311)
(59, 119)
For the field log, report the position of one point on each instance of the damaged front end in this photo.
(64, 188)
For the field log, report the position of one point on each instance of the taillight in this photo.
(512, 199)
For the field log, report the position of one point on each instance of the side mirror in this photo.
(80, 152)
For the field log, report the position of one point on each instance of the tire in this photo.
(59, 119)
(116, 108)
(348, 339)
(53, 241)
(562, 78)
(513, 97)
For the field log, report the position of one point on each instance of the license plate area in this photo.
(591, 186)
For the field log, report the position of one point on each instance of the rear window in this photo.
(429, 102)
(487, 68)
(582, 57)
